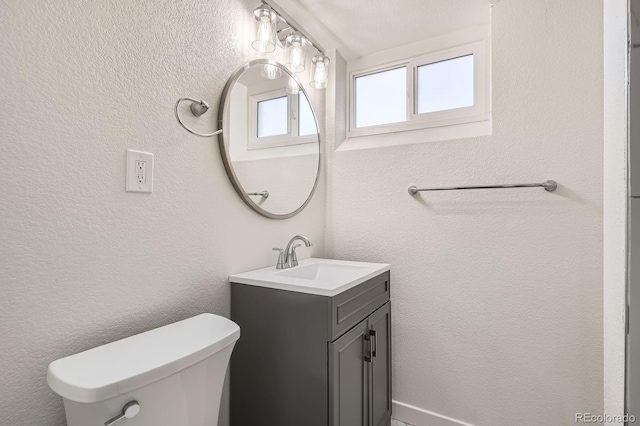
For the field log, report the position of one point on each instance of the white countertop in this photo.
(322, 277)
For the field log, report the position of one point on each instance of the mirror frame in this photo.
(223, 123)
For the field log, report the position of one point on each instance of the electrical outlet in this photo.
(139, 171)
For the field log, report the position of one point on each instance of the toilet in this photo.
(169, 376)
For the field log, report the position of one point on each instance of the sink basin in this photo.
(324, 277)
(322, 271)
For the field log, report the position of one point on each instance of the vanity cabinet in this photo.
(312, 360)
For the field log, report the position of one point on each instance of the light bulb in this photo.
(265, 36)
(296, 55)
(320, 75)
(271, 72)
(319, 71)
(293, 88)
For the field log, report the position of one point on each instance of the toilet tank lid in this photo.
(128, 364)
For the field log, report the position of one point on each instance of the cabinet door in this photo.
(380, 381)
(633, 338)
(348, 377)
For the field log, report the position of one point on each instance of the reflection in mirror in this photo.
(270, 144)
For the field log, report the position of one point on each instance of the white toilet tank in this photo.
(174, 374)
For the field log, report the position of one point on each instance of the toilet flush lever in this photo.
(130, 410)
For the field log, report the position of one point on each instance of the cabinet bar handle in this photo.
(367, 347)
(374, 343)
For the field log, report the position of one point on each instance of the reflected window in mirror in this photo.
(306, 121)
(272, 117)
(281, 119)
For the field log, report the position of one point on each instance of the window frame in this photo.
(409, 57)
(287, 139)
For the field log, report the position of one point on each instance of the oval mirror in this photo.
(270, 144)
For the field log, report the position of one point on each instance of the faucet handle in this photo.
(294, 257)
(280, 264)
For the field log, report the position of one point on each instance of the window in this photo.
(272, 117)
(380, 98)
(281, 119)
(435, 83)
(445, 85)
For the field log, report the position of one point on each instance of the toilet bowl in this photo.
(169, 376)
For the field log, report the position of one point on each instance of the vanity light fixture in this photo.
(275, 29)
(265, 41)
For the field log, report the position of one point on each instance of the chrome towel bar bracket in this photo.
(550, 185)
(263, 194)
(197, 109)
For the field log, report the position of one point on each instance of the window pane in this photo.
(306, 122)
(445, 85)
(272, 117)
(381, 98)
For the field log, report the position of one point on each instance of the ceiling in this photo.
(361, 27)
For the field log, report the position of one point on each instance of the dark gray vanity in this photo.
(310, 359)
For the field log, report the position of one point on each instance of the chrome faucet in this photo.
(288, 258)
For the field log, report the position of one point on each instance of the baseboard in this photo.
(418, 417)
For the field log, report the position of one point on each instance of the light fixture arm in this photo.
(198, 107)
(287, 28)
(291, 24)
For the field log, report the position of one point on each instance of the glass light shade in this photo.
(293, 88)
(296, 52)
(271, 72)
(319, 71)
(266, 29)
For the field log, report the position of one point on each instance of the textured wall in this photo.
(497, 294)
(82, 262)
(361, 31)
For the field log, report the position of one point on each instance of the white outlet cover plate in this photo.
(133, 183)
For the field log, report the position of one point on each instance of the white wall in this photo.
(82, 262)
(497, 294)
